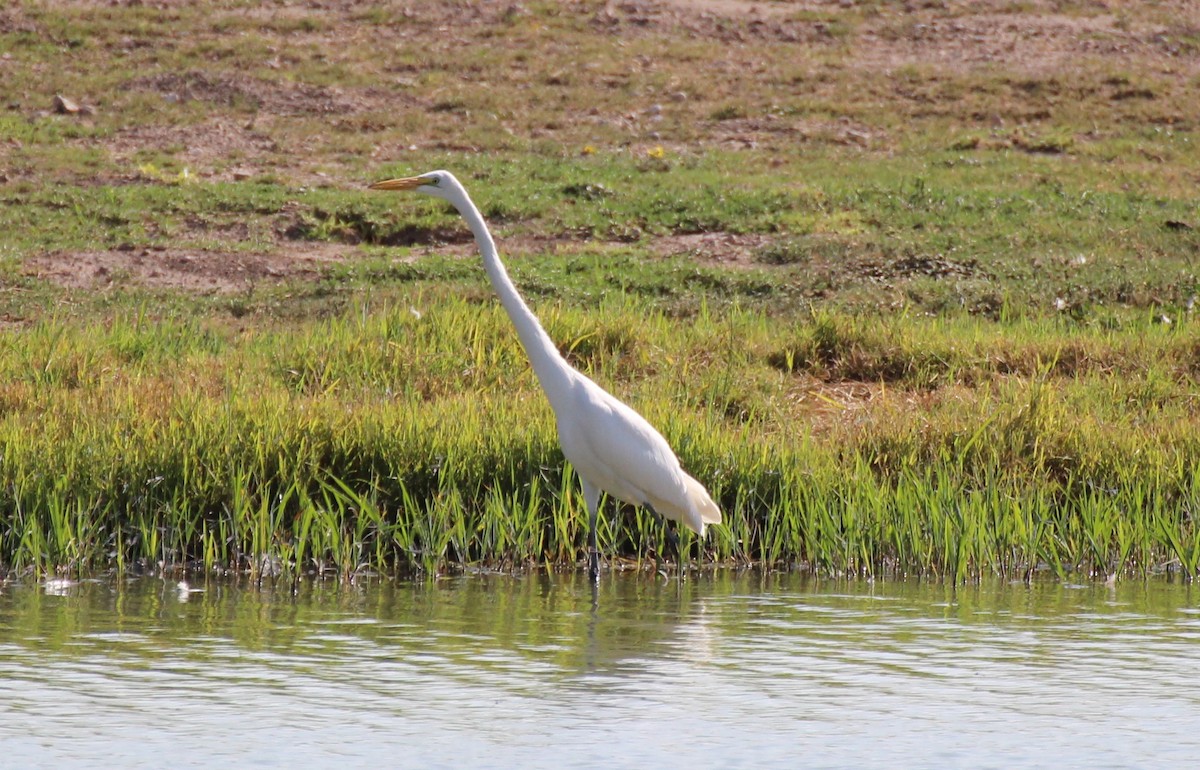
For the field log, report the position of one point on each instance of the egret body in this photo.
(612, 447)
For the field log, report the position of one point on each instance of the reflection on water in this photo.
(723, 671)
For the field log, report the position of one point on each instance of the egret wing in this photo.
(619, 451)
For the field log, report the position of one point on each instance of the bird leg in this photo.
(593, 504)
(593, 556)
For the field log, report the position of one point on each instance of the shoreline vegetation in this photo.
(379, 439)
(906, 306)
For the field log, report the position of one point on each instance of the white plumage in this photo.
(612, 447)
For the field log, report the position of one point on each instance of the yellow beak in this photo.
(408, 183)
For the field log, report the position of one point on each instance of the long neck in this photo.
(552, 370)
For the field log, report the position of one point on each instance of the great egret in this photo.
(612, 447)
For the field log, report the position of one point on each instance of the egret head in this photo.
(440, 184)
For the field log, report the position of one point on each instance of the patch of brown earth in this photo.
(281, 98)
(726, 21)
(1033, 37)
(219, 149)
(205, 272)
(1031, 43)
(769, 129)
(722, 249)
(919, 265)
(223, 272)
(1036, 39)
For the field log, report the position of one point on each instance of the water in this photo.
(501, 672)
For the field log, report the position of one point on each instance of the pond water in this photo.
(521, 672)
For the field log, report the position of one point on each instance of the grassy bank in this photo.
(910, 290)
(410, 434)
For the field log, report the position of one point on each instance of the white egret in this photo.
(612, 447)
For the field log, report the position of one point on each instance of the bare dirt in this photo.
(195, 270)
(197, 146)
(1041, 38)
(205, 271)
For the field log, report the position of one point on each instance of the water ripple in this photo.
(524, 673)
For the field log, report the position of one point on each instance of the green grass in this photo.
(925, 317)
(933, 238)
(379, 439)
